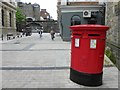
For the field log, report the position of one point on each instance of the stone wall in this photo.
(9, 26)
(0, 20)
(47, 25)
(119, 33)
(113, 45)
(30, 10)
(82, 3)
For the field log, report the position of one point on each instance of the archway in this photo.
(34, 27)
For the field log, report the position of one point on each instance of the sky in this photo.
(50, 5)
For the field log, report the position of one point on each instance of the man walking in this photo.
(52, 34)
(40, 33)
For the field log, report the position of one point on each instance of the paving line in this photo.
(35, 68)
(36, 49)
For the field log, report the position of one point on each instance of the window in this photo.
(75, 20)
(3, 23)
(10, 18)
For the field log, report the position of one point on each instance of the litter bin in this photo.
(87, 54)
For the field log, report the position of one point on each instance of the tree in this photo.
(20, 20)
(19, 16)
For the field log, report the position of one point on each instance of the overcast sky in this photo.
(50, 5)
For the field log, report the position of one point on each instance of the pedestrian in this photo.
(40, 33)
(52, 32)
(23, 32)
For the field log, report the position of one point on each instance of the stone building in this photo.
(31, 11)
(44, 15)
(7, 18)
(113, 39)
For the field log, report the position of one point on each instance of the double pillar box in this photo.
(87, 54)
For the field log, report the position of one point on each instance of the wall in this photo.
(0, 20)
(113, 40)
(8, 8)
(30, 10)
(47, 25)
(70, 11)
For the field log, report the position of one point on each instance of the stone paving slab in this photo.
(12, 47)
(60, 89)
(52, 79)
(37, 58)
(51, 46)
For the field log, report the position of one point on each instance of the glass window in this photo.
(75, 20)
(10, 18)
(3, 24)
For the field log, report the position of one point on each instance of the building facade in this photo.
(113, 35)
(30, 10)
(44, 15)
(7, 18)
(76, 14)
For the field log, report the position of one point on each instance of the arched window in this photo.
(10, 18)
(75, 20)
(29, 19)
(3, 23)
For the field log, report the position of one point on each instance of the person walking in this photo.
(23, 32)
(40, 33)
(52, 32)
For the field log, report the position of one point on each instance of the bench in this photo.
(19, 35)
(9, 35)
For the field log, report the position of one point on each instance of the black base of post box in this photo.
(86, 79)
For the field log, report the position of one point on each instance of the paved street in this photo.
(33, 62)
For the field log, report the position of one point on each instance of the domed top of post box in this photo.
(89, 27)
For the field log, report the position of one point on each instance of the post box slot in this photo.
(93, 34)
(78, 34)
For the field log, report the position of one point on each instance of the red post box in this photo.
(87, 54)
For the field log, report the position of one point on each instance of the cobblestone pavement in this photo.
(33, 62)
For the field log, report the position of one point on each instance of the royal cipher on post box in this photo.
(87, 54)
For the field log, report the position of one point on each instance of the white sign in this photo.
(77, 42)
(93, 43)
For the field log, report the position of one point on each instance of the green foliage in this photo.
(110, 55)
(19, 16)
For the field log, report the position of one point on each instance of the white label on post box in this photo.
(77, 42)
(93, 43)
